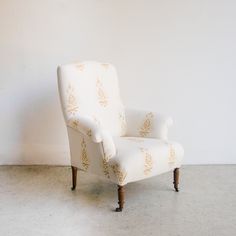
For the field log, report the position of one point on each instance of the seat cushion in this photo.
(140, 158)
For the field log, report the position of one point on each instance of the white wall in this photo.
(179, 55)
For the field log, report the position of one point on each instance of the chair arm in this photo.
(147, 124)
(88, 127)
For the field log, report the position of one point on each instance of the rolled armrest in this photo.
(147, 124)
(87, 126)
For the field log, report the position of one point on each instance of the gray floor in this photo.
(38, 201)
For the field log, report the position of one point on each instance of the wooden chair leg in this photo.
(121, 196)
(74, 177)
(176, 179)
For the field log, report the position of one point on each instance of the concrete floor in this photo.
(38, 201)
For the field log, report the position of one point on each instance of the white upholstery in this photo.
(147, 124)
(123, 145)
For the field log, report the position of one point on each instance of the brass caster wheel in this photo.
(118, 209)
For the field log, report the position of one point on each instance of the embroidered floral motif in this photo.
(147, 125)
(84, 155)
(107, 157)
(74, 124)
(72, 105)
(102, 98)
(148, 162)
(89, 133)
(80, 67)
(171, 156)
(120, 174)
(105, 66)
(122, 123)
(105, 168)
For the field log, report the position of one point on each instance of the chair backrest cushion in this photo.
(91, 89)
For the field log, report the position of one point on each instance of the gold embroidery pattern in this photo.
(74, 124)
(148, 162)
(147, 125)
(121, 175)
(105, 168)
(171, 156)
(80, 67)
(84, 155)
(122, 123)
(72, 105)
(102, 98)
(89, 133)
(107, 157)
(105, 66)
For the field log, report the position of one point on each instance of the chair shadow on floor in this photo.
(91, 191)
(95, 191)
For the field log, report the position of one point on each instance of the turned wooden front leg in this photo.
(74, 177)
(176, 179)
(121, 196)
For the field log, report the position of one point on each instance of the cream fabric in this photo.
(87, 127)
(140, 158)
(123, 145)
(147, 124)
(92, 89)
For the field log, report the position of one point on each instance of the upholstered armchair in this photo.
(107, 139)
